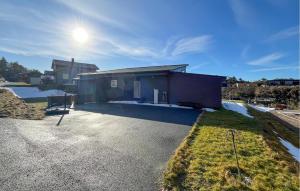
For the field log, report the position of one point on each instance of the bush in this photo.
(288, 95)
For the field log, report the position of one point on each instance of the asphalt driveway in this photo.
(95, 147)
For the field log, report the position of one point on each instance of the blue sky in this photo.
(250, 39)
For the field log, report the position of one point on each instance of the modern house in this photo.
(65, 71)
(155, 84)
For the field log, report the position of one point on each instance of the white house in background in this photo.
(35, 80)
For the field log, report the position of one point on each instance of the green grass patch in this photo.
(236, 101)
(273, 127)
(205, 159)
(39, 105)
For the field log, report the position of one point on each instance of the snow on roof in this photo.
(34, 92)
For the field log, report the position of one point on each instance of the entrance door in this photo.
(155, 93)
(136, 89)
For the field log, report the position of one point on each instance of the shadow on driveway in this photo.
(154, 113)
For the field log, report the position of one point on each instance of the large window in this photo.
(113, 83)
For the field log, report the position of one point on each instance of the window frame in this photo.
(114, 83)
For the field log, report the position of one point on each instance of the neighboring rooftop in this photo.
(142, 69)
(284, 79)
(67, 63)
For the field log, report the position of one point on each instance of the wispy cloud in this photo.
(192, 45)
(56, 47)
(198, 66)
(243, 13)
(92, 10)
(284, 34)
(53, 37)
(267, 59)
(276, 68)
(245, 51)
(135, 51)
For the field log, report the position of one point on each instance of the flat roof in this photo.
(140, 69)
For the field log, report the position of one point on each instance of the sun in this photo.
(80, 35)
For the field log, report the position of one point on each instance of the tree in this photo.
(13, 71)
(246, 92)
(263, 79)
(293, 96)
(16, 72)
(34, 73)
(3, 67)
(231, 80)
(263, 92)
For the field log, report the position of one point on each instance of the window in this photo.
(113, 83)
(65, 76)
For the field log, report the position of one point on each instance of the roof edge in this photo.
(57, 60)
(188, 73)
(95, 73)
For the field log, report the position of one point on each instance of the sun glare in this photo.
(80, 35)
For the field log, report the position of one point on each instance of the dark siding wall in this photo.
(148, 84)
(202, 89)
(183, 87)
(101, 85)
(87, 91)
(124, 91)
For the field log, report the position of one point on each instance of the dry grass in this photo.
(205, 159)
(18, 84)
(11, 106)
(273, 127)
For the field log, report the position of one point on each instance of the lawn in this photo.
(205, 160)
(18, 84)
(40, 106)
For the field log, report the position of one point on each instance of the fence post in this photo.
(234, 148)
(65, 101)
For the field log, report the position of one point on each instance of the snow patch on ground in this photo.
(208, 109)
(261, 108)
(294, 151)
(124, 102)
(237, 107)
(291, 112)
(151, 104)
(34, 92)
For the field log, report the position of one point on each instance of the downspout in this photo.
(54, 71)
(70, 72)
